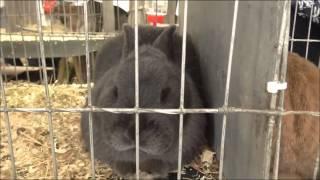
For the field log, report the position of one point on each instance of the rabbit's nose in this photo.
(132, 132)
(132, 128)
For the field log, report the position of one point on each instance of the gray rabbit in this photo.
(159, 83)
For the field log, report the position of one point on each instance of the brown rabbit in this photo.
(300, 133)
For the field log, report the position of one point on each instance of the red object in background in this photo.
(48, 5)
(155, 19)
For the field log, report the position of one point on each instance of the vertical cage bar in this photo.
(14, 57)
(136, 71)
(39, 65)
(180, 145)
(226, 96)
(8, 127)
(71, 15)
(66, 61)
(77, 16)
(182, 86)
(99, 14)
(3, 62)
(11, 45)
(92, 11)
(52, 62)
(25, 55)
(283, 74)
(7, 121)
(273, 102)
(30, 16)
(51, 48)
(269, 136)
(48, 101)
(51, 20)
(23, 16)
(64, 15)
(277, 152)
(294, 26)
(118, 15)
(316, 166)
(156, 12)
(309, 31)
(67, 70)
(85, 15)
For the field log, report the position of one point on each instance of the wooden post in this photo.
(254, 62)
(108, 16)
(171, 12)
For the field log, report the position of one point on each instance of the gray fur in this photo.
(159, 78)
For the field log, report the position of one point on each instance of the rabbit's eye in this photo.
(164, 94)
(115, 92)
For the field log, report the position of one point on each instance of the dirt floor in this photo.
(31, 137)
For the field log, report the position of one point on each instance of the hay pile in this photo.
(30, 133)
(31, 140)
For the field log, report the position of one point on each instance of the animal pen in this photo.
(47, 60)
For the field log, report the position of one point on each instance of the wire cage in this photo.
(256, 27)
(63, 30)
(45, 41)
(304, 30)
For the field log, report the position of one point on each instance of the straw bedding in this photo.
(31, 137)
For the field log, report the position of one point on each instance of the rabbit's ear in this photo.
(163, 41)
(128, 44)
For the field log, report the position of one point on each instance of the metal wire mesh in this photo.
(7, 119)
(312, 17)
(48, 100)
(305, 15)
(19, 36)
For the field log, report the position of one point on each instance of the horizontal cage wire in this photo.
(84, 23)
(221, 110)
